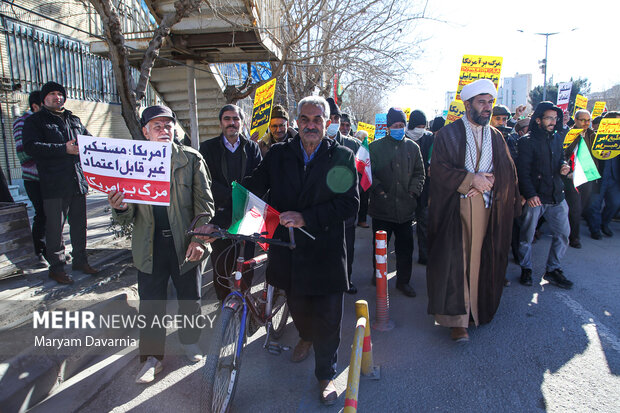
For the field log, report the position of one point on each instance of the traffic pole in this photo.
(382, 317)
(353, 381)
(368, 367)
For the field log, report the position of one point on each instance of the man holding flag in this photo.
(312, 181)
(540, 166)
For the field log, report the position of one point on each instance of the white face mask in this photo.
(332, 129)
(415, 133)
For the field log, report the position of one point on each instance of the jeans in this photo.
(556, 216)
(598, 216)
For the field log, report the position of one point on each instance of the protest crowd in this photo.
(479, 191)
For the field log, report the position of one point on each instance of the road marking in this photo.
(603, 331)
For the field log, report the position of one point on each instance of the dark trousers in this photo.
(349, 234)
(363, 211)
(33, 189)
(223, 260)
(153, 291)
(421, 227)
(403, 247)
(317, 318)
(578, 203)
(57, 210)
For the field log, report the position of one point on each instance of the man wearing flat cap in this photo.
(160, 248)
(278, 131)
(397, 181)
(473, 199)
(50, 137)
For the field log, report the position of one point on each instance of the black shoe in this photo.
(422, 260)
(605, 230)
(352, 289)
(595, 235)
(406, 289)
(526, 277)
(557, 278)
(577, 244)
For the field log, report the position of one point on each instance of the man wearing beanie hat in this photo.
(437, 124)
(333, 132)
(397, 181)
(416, 130)
(473, 200)
(278, 130)
(50, 137)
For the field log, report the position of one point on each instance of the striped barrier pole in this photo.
(382, 317)
(368, 367)
(353, 382)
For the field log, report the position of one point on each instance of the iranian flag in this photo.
(362, 164)
(250, 214)
(585, 169)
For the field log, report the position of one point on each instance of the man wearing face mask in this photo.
(416, 131)
(334, 132)
(397, 181)
(473, 200)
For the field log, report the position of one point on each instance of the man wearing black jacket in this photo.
(230, 157)
(312, 181)
(540, 167)
(50, 137)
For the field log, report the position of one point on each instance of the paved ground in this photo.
(546, 349)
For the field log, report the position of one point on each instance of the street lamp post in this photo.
(545, 61)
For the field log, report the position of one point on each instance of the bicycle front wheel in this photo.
(280, 315)
(221, 369)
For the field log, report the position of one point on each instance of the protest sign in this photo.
(407, 113)
(261, 113)
(599, 108)
(368, 128)
(571, 136)
(456, 111)
(475, 67)
(581, 102)
(139, 169)
(564, 90)
(606, 144)
(380, 125)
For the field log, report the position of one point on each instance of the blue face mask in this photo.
(397, 134)
(332, 129)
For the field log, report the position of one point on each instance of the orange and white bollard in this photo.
(382, 320)
(368, 368)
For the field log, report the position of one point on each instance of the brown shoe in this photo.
(459, 334)
(328, 392)
(85, 268)
(301, 351)
(60, 277)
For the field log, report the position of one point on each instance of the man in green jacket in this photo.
(160, 247)
(397, 181)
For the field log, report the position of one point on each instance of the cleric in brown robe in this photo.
(473, 198)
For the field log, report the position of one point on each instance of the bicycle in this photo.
(268, 309)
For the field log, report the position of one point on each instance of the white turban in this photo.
(479, 87)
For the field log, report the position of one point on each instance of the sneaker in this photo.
(193, 352)
(526, 277)
(557, 278)
(151, 367)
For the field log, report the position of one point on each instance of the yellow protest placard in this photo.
(407, 113)
(571, 136)
(606, 144)
(599, 108)
(261, 113)
(581, 102)
(456, 111)
(368, 128)
(474, 67)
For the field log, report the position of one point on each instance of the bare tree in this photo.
(130, 93)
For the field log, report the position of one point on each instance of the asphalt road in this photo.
(546, 349)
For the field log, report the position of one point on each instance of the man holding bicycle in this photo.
(312, 180)
(160, 247)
